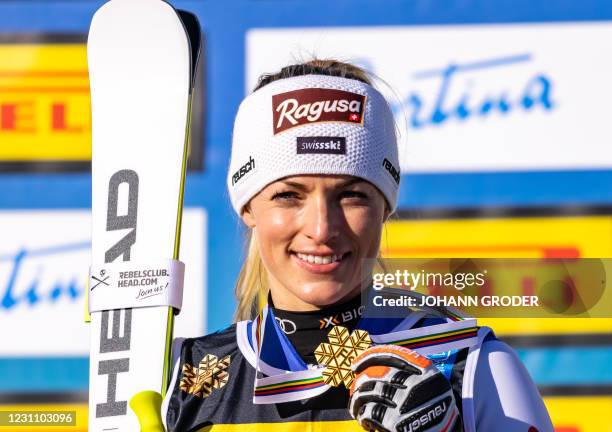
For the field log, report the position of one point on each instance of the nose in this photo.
(322, 219)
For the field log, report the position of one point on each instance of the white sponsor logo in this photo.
(428, 417)
(291, 109)
(342, 317)
(286, 325)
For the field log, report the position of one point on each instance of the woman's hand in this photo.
(396, 390)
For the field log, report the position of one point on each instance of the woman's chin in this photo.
(321, 295)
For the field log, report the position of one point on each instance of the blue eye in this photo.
(353, 194)
(284, 195)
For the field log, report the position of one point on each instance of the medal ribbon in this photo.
(294, 380)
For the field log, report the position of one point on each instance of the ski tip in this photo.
(147, 407)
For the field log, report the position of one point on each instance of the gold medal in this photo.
(338, 354)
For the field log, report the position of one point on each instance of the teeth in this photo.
(318, 259)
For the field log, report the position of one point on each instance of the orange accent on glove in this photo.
(407, 354)
(371, 372)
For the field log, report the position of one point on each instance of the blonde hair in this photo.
(317, 67)
(252, 285)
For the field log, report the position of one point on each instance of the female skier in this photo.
(314, 174)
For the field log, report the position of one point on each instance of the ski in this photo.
(142, 56)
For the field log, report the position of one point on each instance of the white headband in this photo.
(313, 124)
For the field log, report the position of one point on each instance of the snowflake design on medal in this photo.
(210, 374)
(338, 354)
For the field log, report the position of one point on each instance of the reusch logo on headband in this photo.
(314, 105)
(392, 170)
(243, 170)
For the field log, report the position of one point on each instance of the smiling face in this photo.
(313, 233)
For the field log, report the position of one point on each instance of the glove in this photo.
(398, 390)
